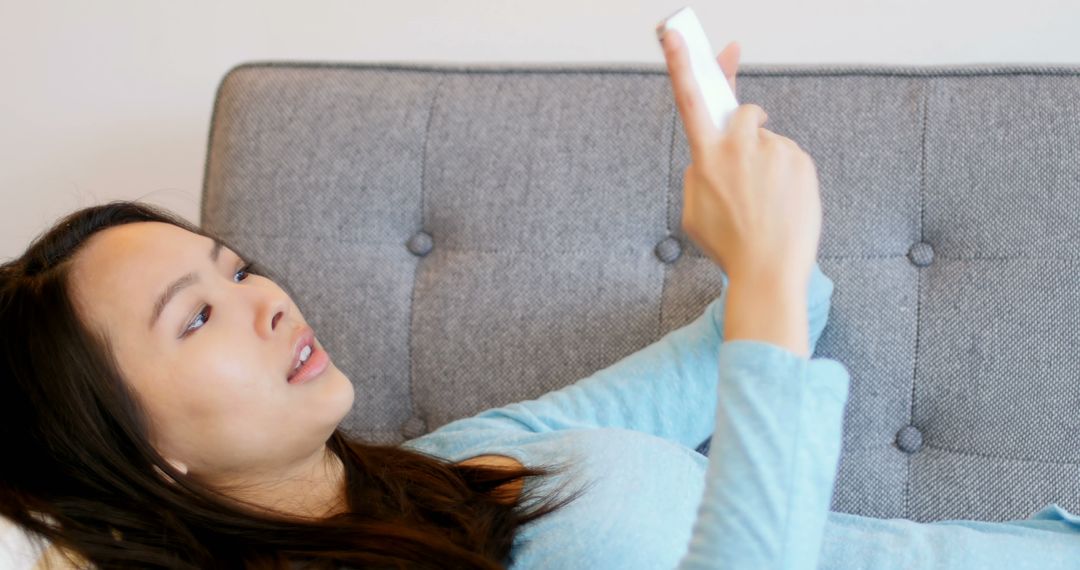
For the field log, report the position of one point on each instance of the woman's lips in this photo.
(305, 336)
(315, 365)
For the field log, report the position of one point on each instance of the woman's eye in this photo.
(246, 270)
(204, 315)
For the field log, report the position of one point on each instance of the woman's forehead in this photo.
(141, 248)
(143, 239)
(120, 271)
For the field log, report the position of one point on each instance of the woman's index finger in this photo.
(688, 97)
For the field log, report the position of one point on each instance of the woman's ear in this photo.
(178, 465)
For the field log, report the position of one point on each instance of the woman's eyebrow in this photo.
(179, 285)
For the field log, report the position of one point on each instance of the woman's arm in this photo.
(668, 389)
(773, 459)
(777, 441)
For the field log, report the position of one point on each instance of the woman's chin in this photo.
(341, 391)
(332, 402)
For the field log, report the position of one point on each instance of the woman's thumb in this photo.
(747, 120)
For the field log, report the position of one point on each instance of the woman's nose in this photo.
(274, 308)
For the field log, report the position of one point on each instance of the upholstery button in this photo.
(413, 427)
(909, 439)
(668, 250)
(921, 254)
(420, 243)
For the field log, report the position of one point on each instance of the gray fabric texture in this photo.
(466, 236)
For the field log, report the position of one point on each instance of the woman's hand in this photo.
(750, 196)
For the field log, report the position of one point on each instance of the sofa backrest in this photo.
(466, 236)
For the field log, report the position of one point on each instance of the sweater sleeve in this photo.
(772, 465)
(1048, 539)
(667, 389)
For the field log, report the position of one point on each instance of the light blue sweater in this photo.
(761, 498)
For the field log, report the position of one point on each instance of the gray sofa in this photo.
(466, 236)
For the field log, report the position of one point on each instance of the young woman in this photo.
(164, 404)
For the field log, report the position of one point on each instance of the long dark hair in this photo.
(79, 470)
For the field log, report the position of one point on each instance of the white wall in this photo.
(111, 99)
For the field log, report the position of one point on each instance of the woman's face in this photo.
(211, 370)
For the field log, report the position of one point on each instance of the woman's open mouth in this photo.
(316, 363)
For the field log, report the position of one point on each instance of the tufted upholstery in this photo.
(462, 237)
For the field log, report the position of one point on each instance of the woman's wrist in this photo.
(770, 310)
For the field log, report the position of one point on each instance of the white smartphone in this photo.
(714, 86)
